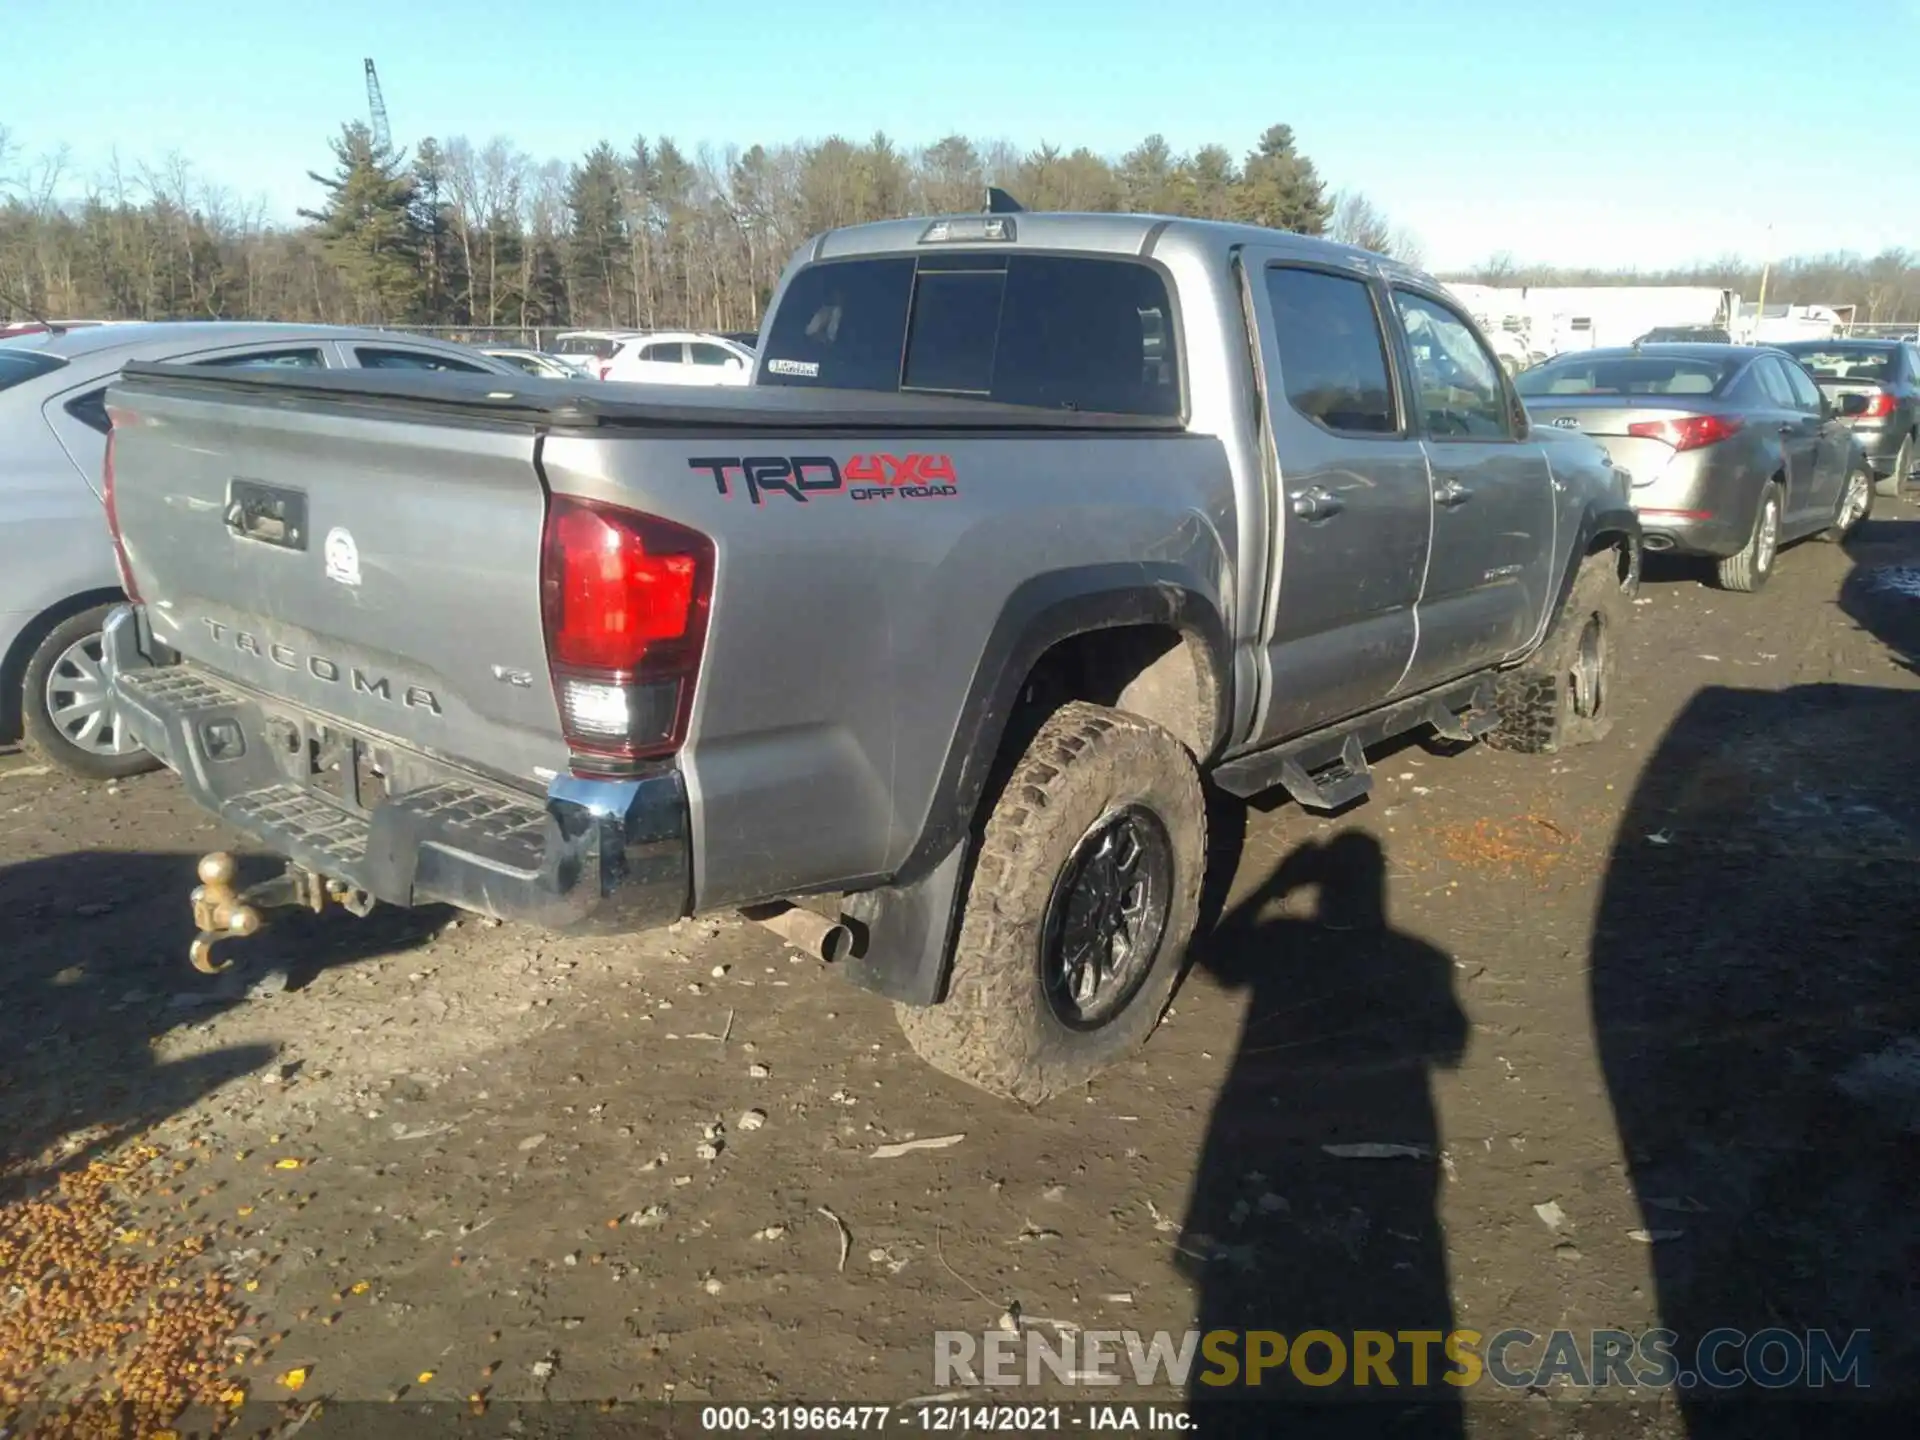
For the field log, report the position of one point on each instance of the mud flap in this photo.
(905, 936)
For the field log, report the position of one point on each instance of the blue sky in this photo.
(1613, 133)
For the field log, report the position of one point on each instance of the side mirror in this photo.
(1853, 404)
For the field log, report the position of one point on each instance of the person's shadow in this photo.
(1313, 1207)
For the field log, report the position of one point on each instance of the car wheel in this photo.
(1856, 504)
(68, 712)
(1750, 569)
(1085, 893)
(1895, 481)
(1565, 693)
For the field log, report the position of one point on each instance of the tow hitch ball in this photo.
(222, 913)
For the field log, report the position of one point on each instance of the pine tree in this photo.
(597, 227)
(1279, 187)
(367, 227)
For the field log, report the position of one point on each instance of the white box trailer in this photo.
(1556, 318)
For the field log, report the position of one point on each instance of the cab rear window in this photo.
(1056, 332)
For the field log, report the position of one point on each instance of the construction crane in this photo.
(377, 107)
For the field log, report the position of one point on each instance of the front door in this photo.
(1489, 579)
(1354, 511)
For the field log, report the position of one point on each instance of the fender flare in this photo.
(910, 923)
(1598, 519)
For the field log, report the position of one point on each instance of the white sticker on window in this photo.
(807, 369)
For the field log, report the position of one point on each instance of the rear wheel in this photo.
(1085, 894)
(1563, 695)
(1856, 504)
(1751, 568)
(1895, 481)
(67, 710)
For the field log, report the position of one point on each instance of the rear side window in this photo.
(1773, 381)
(704, 353)
(19, 366)
(1806, 394)
(1333, 357)
(371, 359)
(1055, 332)
(666, 353)
(90, 410)
(601, 347)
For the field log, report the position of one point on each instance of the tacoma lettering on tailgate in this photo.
(332, 672)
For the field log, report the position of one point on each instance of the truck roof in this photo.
(1105, 233)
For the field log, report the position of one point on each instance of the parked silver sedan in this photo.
(1886, 373)
(1732, 449)
(57, 570)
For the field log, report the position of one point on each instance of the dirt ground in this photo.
(1641, 1020)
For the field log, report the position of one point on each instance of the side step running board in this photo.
(1328, 769)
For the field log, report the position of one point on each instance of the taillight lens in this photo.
(604, 367)
(1879, 407)
(624, 597)
(113, 522)
(1688, 432)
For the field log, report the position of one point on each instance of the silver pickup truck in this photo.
(1027, 523)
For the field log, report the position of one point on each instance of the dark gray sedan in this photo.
(1887, 374)
(1732, 449)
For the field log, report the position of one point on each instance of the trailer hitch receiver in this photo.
(222, 913)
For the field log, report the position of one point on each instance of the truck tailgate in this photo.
(377, 569)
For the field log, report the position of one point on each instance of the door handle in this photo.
(1452, 493)
(1316, 503)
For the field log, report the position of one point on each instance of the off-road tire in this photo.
(996, 1028)
(1538, 702)
(41, 734)
(1749, 570)
(1838, 532)
(1894, 483)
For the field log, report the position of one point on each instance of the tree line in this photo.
(461, 234)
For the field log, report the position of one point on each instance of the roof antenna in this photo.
(999, 202)
(32, 314)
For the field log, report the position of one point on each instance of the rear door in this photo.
(1799, 432)
(1355, 513)
(1491, 568)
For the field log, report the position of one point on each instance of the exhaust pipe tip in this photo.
(830, 941)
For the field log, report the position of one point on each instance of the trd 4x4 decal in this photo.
(806, 477)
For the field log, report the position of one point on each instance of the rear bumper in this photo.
(1881, 444)
(591, 856)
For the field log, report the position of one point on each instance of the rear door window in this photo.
(19, 366)
(669, 352)
(1333, 356)
(371, 358)
(1774, 383)
(298, 359)
(706, 353)
(1806, 394)
(1056, 332)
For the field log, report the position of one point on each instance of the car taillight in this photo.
(113, 524)
(603, 367)
(624, 597)
(1688, 432)
(1879, 407)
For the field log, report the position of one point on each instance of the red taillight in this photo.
(603, 367)
(1688, 432)
(1879, 407)
(113, 523)
(624, 597)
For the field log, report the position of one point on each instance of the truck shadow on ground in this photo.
(1345, 1021)
(1758, 1025)
(95, 971)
